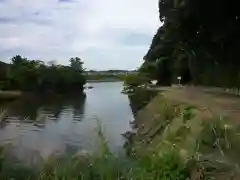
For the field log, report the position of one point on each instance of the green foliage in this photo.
(171, 167)
(218, 147)
(169, 112)
(104, 144)
(187, 114)
(34, 75)
(161, 166)
(106, 77)
(219, 134)
(150, 69)
(77, 64)
(197, 44)
(135, 80)
(166, 166)
(154, 165)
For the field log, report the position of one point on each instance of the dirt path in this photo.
(218, 103)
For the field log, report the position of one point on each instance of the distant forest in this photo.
(34, 75)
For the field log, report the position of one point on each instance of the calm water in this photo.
(37, 128)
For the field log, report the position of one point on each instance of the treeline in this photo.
(34, 75)
(199, 40)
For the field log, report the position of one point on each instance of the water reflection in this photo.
(37, 127)
(32, 108)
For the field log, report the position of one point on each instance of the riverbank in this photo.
(202, 127)
(101, 164)
(104, 80)
(181, 133)
(10, 94)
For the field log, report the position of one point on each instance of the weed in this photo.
(104, 149)
(218, 134)
(187, 114)
(169, 112)
(154, 165)
(160, 166)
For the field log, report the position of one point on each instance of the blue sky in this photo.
(106, 34)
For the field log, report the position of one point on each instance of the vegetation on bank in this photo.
(34, 75)
(207, 143)
(174, 141)
(109, 75)
(177, 142)
(135, 80)
(102, 77)
(200, 46)
(102, 166)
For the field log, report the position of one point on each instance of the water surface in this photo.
(39, 127)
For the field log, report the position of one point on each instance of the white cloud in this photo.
(98, 31)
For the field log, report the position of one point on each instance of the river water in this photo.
(39, 127)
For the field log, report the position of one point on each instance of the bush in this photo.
(135, 80)
(32, 75)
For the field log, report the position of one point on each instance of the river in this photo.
(39, 127)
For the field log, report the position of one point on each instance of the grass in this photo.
(102, 166)
(163, 167)
(187, 147)
(207, 143)
(217, 149)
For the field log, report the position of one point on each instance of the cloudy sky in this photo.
(106, 34)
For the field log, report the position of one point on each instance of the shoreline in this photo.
(104, 80)
(5, 95)
(184, 121)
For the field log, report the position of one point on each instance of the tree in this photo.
(34, 75)
(18, 60)
(76, 63)
(51, 63)
(200, 39)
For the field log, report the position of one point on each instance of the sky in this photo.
(105, 34)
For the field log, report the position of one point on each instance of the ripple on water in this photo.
(38, 128)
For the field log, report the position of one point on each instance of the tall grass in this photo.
(102, 166)
(156, 164)
(218, 135)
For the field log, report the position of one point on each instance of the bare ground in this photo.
(206, 99)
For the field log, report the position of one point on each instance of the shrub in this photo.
(135, 80)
